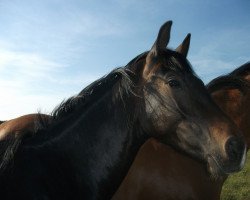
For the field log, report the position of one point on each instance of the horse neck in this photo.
(102, 144)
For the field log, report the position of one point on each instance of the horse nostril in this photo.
(235, 148)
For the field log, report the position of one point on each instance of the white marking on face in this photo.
(243, 160)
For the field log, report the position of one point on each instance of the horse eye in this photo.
(174, 83)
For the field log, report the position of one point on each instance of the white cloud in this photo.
(220, 52)
(19, 73)
(27, 64)
(208, 68)
(16, 99)
(95, 26)
(30, 82)
(14, 103)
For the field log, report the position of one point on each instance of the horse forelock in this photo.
(177, 62)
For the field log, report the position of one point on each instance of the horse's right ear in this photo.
(162, 38)
(184, 46)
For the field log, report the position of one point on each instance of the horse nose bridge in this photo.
(223, 129)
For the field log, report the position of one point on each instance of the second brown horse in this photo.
(159, 172)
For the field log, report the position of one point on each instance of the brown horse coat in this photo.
(26, 124)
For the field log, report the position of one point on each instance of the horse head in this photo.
(179, 111)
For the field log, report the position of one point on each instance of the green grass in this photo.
(237, 186)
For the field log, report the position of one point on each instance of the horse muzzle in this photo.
(235, 150)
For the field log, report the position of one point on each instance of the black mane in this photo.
(177, 62)
(89, 94)
(119, 78)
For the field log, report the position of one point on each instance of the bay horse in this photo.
(88, 147)
(160, 172)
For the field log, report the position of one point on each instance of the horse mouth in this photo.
(215, 168)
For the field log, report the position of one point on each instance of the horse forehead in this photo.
(167, 64)
(171, 60)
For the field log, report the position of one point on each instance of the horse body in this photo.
(160, 172)
(86, 150)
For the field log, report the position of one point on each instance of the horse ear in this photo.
(160, 44)
(162, 38)
(184, 46)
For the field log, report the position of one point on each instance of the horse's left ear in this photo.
(160, 44)
(162, 38)
(184, 46)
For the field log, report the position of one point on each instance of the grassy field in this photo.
(237, 186)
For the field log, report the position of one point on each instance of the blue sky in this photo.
(51, 49)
